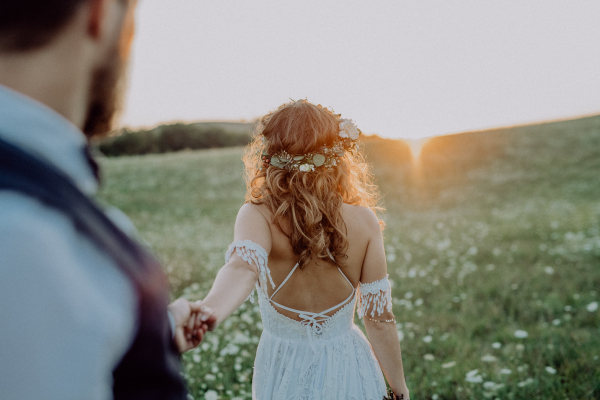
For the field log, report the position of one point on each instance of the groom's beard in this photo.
(106, 97)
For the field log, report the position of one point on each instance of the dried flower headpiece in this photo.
(324, 157)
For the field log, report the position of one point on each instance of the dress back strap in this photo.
(285, 280)
(348, 280)
(313, 314)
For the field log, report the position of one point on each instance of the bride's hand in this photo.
(206, 317)
(192, 320)
(401, 393)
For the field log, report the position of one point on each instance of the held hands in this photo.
(192, 321)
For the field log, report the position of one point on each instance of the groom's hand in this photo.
(191, 323)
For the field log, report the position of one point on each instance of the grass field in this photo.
(493, 247)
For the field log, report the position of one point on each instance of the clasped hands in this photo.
(192, 321)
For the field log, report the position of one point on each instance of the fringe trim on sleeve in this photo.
(252, 253)
(378, 294)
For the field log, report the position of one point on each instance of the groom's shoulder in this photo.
(20, 214)
(28, 228)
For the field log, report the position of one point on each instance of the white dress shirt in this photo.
(67, 312)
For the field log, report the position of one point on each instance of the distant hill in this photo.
(229, 126)
(561, 157)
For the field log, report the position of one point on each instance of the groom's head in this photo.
(94, 34)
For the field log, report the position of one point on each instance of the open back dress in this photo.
(320, 356)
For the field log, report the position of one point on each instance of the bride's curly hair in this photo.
(310, 201)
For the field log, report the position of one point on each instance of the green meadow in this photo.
(493, 249)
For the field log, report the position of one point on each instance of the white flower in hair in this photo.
(305, 167)
(348, 129)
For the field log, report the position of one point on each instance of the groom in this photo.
(83, 307)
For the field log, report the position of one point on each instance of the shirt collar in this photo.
(44, 133)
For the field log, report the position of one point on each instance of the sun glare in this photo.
(416, 145)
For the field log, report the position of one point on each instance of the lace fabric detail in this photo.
(252, 252)
(377, 294)
(296, 360)
(288, 367)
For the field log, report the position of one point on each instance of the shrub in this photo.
(169, 138)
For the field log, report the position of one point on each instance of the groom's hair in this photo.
(30, 24)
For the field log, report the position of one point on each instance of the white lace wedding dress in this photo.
(321, 357)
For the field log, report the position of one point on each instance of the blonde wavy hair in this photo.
(310, 202)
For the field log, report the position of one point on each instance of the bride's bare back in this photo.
(318, 285)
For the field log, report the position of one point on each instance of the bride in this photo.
(309, 241)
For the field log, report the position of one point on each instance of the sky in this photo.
(406, 69)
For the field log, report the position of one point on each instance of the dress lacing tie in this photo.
(312, 321)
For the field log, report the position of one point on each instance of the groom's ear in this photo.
(111, 21)
(97, 11)
(105, 15)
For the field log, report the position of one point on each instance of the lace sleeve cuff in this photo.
(252, 253)
(377, 294)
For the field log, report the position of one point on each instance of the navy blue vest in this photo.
(151, 367)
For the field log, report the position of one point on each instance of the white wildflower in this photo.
(429, 357)
(550, 370)
(496, 345)
(400, 335)
(231, 348)
(505, 371)
(549, 270)
(489, 385)
(521, 334)
(473, 377)
(241, 338)
(211, 395)
(522, 368)
(472, 372)
(209, 377)
(488, 358)
(593, 306)
(525, 382)
(449, 364)
(427, 339)
(556, 322)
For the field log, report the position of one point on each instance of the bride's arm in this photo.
(236, 279)
(383, 336)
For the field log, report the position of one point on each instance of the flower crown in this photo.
(324, 157)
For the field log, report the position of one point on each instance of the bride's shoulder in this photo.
(360, 216)
(251, 211)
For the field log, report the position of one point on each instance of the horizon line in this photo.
(476, 130)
